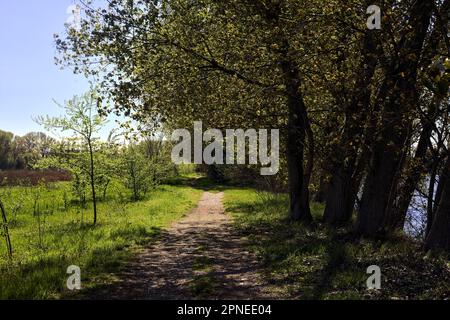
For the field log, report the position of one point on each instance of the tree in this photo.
(398, 97)
(175, 60)
(346, 154)
(136, 172)
(27, 150)
(5, 230)
(83, 121)
(366, 105)
(22, 152)
(6, 139)
(439, 235)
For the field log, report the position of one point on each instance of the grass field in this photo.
(50, 232)
(315, 263)
(56, 233)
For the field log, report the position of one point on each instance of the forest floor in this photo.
(199, 257)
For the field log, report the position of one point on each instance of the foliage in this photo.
(78, 156)
(138, 172)
(23, 152)
(359, 109)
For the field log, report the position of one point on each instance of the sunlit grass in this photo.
(62, 235)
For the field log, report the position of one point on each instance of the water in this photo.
(416, 218)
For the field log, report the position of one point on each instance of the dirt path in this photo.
(200, 256)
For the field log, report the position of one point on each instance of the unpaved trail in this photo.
(200, 256)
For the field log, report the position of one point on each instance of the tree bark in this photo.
(440, 190)
(439, 235)
(399, 210)
(388, 149)
(6, 231)
(296, 136)
(341, 193)
(309, 163)
(340, 198)
(401, 203)
(430, 199)
(321, 193)
(92, 180)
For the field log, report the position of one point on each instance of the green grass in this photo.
(63, 235)
(317, 263)
(299, 262)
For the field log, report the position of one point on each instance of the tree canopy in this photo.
(364, 112)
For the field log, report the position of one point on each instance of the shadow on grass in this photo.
(320, 263)
(104, 263)
(203, 183)
(45, 276)
(303, 261)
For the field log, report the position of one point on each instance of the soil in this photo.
(199, 257)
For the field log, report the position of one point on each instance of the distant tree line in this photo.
(18, 152)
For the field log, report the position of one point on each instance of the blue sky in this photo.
(29, 79)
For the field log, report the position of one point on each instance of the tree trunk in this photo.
(439, 235)
(309, 163)
(440, 189)
(105, 189)
(321, 193)
(398, 212)
(92, 178)
(377, 187)
(340, 198)
(401, 205)
(296, 136)
(6, 231)
(430, 199)
(388, 149)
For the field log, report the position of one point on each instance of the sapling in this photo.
(6, 231)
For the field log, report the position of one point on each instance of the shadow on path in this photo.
(201, 256)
